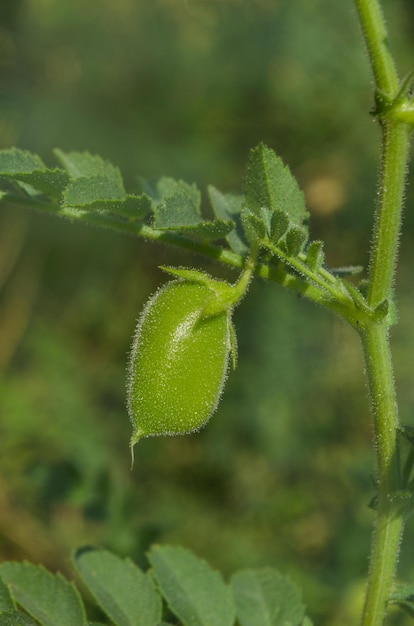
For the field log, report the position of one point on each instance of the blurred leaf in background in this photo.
(281, 476)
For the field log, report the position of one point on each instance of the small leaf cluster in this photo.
(274, 205)
(178, 585)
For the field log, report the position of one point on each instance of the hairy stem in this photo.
(374, 334)
(389, 522)
(395, 141)
(389, 519)
(375, 34)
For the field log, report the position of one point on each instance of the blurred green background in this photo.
(282, 475)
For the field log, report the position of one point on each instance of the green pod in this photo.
(178, 362)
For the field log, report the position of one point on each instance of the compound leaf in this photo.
(195, 592)
(127, 595)
(48, 598)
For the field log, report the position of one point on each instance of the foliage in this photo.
(127, 596)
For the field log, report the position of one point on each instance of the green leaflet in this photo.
(23, 167)
(269, 184)
(266, 598)
(176, 206)
(84, 164)
(195, 592)
(48, 598)
(97, 185)
(122, 590)
(315, 255)
(274, 200)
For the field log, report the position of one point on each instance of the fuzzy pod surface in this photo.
(178, 361)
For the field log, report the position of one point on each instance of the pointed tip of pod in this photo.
(131, 449)
(136, 436)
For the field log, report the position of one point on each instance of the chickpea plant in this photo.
(185, 342)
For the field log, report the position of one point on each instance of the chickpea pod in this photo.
(180, 353)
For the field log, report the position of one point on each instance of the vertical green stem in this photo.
(375, 34)
(395, 142)
(374, 335)
(389, 522)
(375, 341)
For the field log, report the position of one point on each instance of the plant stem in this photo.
(374, 334)
(375, 341)
(375, 35)
(334, 287)
(389, 522)
(395, 141)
